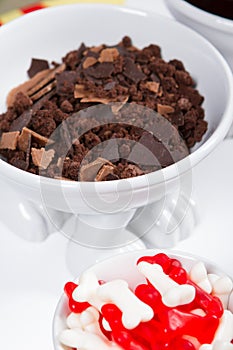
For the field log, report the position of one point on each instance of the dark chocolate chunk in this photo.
(150, 151)
(37, 65)
(132, 71)
(101, 70)
(22, 121)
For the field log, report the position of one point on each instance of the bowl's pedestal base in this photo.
(94, 237)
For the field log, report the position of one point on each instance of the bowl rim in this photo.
(154, 178)
(197, 14)
(209, 264)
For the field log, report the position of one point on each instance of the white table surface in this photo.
(32, 275)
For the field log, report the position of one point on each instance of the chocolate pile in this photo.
(84, 119)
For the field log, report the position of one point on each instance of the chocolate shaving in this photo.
(42, 140)
(79, 91)
(104, 172)
(26, 86)
(47, 79)
(38, 82)
(95, 99)
(41, 157)
(9, 140)
(152, 86)
(108, 55)
(164, 109)
(89, 61)
(89, 172)
(43, 91)
(24, 140)
(39, 104)
(96, 49)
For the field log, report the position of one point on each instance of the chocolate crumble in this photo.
(150, 114)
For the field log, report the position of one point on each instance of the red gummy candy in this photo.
(183, 323)
(212, 305)
(69, 288)
(75, 306)
(113, 315)
(178, 274)
(181, 344)
(160, 258)
(122, 336)
(150, 296)
(126, 341)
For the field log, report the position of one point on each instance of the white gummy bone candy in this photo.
(133, 309)
(173, 294)
(225, 329)
(198, 274)
(89, 316)
(222, 288)
(87, 290)
(79, 339)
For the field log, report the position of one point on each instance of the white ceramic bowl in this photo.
(123, 266)
(51, 33)
(216, 29)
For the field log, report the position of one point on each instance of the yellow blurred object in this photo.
(12, 14)
(62, 2)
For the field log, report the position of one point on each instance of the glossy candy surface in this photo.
(143, 319)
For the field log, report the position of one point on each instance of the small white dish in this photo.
(123, 266)
(216, 29)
